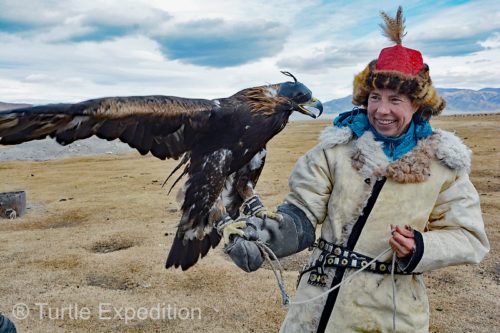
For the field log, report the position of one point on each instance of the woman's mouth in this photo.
(385, 122)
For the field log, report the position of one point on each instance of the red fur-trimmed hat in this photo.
(399, 68)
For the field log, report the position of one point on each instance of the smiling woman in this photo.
(381, 179)
(390, 113)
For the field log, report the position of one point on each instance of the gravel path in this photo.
(49, 149)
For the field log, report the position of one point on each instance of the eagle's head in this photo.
(301, 97)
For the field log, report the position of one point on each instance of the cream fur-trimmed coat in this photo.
(427, 188)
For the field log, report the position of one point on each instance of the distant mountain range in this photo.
(10, 106)
(457, 100)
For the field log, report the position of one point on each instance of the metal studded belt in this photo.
(337, 256)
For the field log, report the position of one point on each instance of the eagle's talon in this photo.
(233, 229)
(275, 216)
(263, 214)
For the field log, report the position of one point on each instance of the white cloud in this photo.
(493, 42)
(461, 21)
(68, 51)
(473, 71)
(36, 78)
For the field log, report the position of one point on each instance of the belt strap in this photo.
(337, 256)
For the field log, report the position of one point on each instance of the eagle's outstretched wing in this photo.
(166, 126)
(162, 125)
(221, 140)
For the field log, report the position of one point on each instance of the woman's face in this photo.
(389, 113)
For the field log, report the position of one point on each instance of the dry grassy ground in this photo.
(99, 229)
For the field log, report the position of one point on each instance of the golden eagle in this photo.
(223, 142)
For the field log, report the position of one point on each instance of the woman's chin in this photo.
(388, 131)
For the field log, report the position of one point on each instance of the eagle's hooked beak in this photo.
(309, 107)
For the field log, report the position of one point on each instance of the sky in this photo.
(68, 51)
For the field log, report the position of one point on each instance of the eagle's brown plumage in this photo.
(223, 142)
(261, 102)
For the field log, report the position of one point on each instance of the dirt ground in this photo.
(89, 254)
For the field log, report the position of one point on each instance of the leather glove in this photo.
(243, 250)
(290, 235)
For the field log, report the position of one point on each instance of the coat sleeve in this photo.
(455, 233)
(311, 184)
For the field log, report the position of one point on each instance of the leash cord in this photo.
(393, 293)
(345, 280)
(266, 251)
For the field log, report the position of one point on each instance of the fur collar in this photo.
(367, 155)
(333, 135)
(369, 159)
(452, 152)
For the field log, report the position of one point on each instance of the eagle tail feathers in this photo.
(185, 253)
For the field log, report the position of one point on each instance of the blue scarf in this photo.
(394, 148)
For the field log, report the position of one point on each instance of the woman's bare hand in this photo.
(402, 241)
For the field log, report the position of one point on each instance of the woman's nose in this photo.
(383, 108)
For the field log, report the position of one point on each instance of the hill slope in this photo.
(12, 106)
(486, 99)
